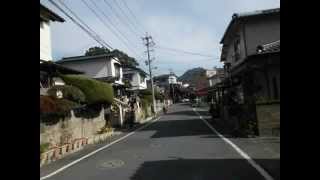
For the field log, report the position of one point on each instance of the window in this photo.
(142, 78)
(275, 88)
(117, 70)
(237, 49)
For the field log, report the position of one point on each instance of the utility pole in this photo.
(172, 86)
(149, 42)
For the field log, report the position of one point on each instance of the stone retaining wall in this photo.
(65, 131)
(58, 152)
(268, 116)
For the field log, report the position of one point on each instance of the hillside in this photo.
(195, 77)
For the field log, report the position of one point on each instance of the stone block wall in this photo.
(268, 116)
(70, 129)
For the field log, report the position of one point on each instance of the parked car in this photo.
(185, 100)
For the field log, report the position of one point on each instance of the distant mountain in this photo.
(195, 77)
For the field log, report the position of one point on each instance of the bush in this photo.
(52, 109)
(44, 147)
(47, 104)
(69, 92)
(145, 104)
(88, 112)
(159, 96)
(145, 92)
(95, 91)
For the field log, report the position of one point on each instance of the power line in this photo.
(120, 32)
(124, 13)
(120, 18)
(104, 23)
(81, 21)
(182, 51)
(102, 43)
(134, 16)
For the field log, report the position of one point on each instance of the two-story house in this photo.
(251, 55)
(245, 33)
(136, 77)
(48, 68)
(104, 67)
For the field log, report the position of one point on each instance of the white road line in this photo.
(94, 152)
(265, 174)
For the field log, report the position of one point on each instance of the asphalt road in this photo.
(177, 146)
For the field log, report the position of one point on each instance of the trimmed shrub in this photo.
(69, 92)
(145, 92)
(95, 91)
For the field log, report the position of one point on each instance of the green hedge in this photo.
(145, 92)
(145, 104)
(95, 91)
(71, 93)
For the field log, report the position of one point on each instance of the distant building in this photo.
(136, 77)
(215, 76)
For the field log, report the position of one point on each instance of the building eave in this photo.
(50, 14)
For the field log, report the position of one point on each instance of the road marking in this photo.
(264, 173)
(94, 152)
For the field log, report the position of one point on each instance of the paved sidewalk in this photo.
(264, 150)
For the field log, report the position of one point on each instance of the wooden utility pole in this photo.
(149, 43)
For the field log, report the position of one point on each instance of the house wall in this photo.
(113, 71)
(260, 79)
(45, 41)
(262, 31)
(96, 68)
(136, 81)
(252, 33)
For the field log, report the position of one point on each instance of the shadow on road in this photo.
(204, 169)
(184, 113)
(174, 128)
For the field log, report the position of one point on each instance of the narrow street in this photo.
(177, 146)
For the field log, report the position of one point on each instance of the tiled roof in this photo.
(83, 58)
(269, 48)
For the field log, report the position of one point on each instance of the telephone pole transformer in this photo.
(149, 43)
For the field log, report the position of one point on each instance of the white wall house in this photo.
(46, 18)
(105, 67)
(215, 76)
(172, 79)
(47, 80)
(136, 77)
(248, 30)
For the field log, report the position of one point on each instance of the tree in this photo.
(125, 60)
(96, 51)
